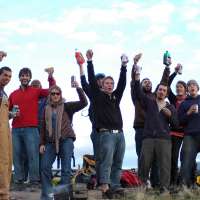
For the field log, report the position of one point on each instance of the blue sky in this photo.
(45, 33)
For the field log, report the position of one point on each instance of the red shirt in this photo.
(27, 100)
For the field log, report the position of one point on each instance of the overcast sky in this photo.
(37, 34)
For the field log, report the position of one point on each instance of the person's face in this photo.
(146, 85)
(25, 79)
(55, 95)
(193, 89)
(36, 84)
(161, 93)
(108, 85)
(5, 77)
(180, 90)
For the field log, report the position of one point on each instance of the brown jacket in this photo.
(66, 129)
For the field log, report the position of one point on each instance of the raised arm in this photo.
(75, 106)
(133, 74)
(91, 75)
(139, 94)
(85, 85)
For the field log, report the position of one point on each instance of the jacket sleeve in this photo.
(75, 106)
(133, 94)
(92, 80)
(51, 81)
(165, 76)
(121, 83)
(139, 94)
(85, 86)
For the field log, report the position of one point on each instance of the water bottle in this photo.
(79, 57)
(166, 58)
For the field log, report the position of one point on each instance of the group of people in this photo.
(42, 123)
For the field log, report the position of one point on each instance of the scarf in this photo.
(58, 109)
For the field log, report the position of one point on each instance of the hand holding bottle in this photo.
(89, 54)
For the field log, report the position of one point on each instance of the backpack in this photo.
(129, 178)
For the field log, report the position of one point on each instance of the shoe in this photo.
(33, 186)
(118, 190)
(108, 194)
(17, 186)
(164, 192)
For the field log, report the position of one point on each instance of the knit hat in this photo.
(193, 82)
(99, 76)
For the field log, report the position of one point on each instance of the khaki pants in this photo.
(5, 152)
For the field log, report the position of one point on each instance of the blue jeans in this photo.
(26, 142)
(94, 139)
(190, 149)
(66, 148)
(138, 140)
(110, 157)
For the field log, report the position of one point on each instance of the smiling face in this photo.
(5, 77)
(180, 89)
(146, 85)
(25, 79)
(55, 95)
(161, 92)
(108, 85)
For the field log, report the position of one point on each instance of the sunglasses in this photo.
(55, 93)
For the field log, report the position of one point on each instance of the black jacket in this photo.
(107, 112)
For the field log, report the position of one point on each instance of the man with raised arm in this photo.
(156, 135)
(109, 126)
(25, 128)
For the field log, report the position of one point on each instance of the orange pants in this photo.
(5, 151)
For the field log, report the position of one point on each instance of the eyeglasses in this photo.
(55, 93)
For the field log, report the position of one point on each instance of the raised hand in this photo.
(167, 112)
(49, 70)
(179, 68)
(89, 54)
(124, 59)
(137, 58)
(2, 55)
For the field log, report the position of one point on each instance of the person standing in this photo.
(87, 89)
(25, 128)
(5, 136)
(177, 133)
(189, 117)
(109, 126)
(140, 113)
(57, 137)
(156, 138)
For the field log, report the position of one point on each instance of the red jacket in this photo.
(27, 100)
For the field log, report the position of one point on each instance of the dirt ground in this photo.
(130, 194)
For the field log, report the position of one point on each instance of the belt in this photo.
(109, 130)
